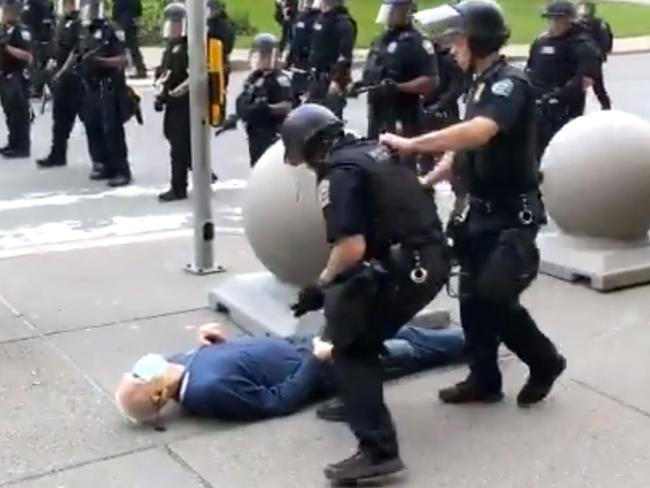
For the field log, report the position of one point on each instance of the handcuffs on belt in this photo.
(526, 215)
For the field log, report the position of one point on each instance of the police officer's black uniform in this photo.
(398, 56)
(102, 111)
(222, 28)
(364, 190)
(262, 88)
(334, 36)
(300, 50)
(126, 14)
(38, 16)
(285, 15)
(556, 67)
(601, 34)
(176, 125)
(14, 88)
(441, 105)
(494, 241)
(67, 89)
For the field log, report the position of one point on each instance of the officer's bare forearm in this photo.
(442, 171)
(281, 108)
(21, 54)
(465, 135)
(418, 86)
(115, 62)
(346, 253)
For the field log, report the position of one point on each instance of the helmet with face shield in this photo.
(395, 12)
(66, 7)
(264, 52)
(92, 10)
(174, 21)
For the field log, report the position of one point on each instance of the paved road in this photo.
(41, 208)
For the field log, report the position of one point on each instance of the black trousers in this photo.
(361, 312)
(101, 115)
(68, 95)
(15, 103)
(601, 92)
(132, 42)
(259, 140)
(496, 267)
(176, 127)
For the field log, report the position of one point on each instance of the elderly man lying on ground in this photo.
(251, 378)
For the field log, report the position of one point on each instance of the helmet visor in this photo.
(72, 5)
(444, 20)
(92, 11)
(173, 29)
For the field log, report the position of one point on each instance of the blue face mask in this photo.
(149, 367)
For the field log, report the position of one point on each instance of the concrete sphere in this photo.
(597, 176)
(283, 220)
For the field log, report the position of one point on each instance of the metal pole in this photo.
(203, 262)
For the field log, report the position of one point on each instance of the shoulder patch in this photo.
(503, 88)
(119, 33)
(283, 80)
(428, 46)
(26, 35)
(324, 193)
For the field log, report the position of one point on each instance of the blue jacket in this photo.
(248, 378)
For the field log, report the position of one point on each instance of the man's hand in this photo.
(322, 349)
(401, 144)
(310, 298)
(210, 334)
(334, 89)
(389, 88)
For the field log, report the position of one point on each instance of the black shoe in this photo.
(361, 466)
(119, 180)
(50, 162)
(11, 153)
(332, 411)
(538, 387)
(214, 178)
(171, 196)
(467, 392)
(4, 149)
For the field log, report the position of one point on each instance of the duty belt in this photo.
(521, 204)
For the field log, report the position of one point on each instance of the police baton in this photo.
(229, 124)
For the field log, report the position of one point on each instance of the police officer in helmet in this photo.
(400, 64)
(266, 98)
(174, 99)
(335, 33)
(297, 60)
(563, 62)
(494, 238)
(67, 87)
(387, 262)
(38, 17)
(15, 57)
(103, 59)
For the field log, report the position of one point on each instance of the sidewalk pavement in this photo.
(627, 45)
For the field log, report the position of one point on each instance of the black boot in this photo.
(362, 466)
(119, 180)
(332, 411)
(50, 162)
(14, 153)
(172, 196)
(538, 386)
(467, 392)
(98, 172)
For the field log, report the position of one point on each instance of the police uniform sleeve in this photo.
(587, 58)
(501, 102)
(347, 34)
(283, 90)
(419, 59)
(116, 42)
(340, 198)
(21, 39)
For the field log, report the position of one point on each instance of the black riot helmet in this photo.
(174, 14)
(587, 8)
(308, 132)
(396, 12)
(92, 10)
(560, 8)
(482, 21)
(264, 51)
(215, 8)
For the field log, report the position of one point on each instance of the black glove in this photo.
(355, 88)
(310, 298)
(389, 88)
(159, 104)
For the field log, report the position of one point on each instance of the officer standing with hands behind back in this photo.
(495, 241)
(335, 33)
(387, 262)
(174, 99)
(67, 86)
(266, 99)
(401, 65)
(15, 57)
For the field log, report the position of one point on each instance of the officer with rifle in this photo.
(38, 16)
(66, 82)
(15, 58)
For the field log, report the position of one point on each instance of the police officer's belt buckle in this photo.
(418, 274)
